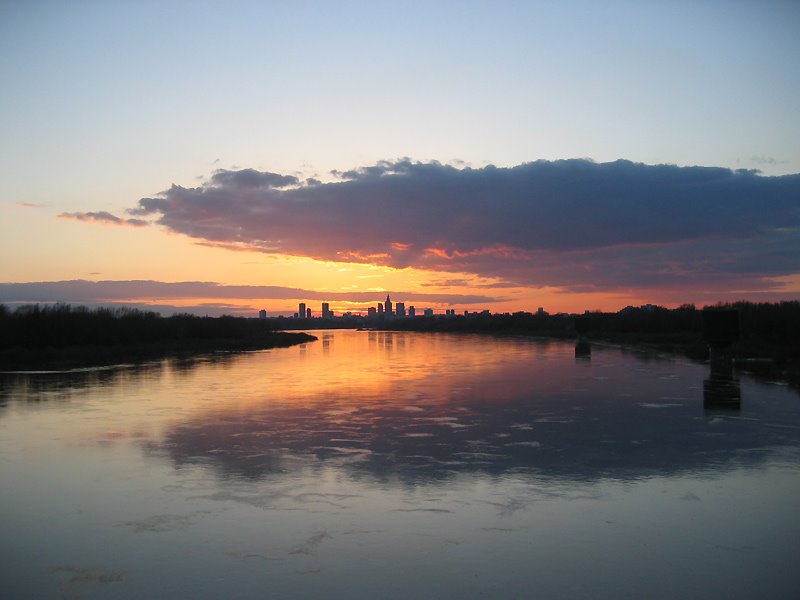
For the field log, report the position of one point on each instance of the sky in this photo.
(227, 157)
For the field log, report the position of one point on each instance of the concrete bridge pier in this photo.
(583, 348)
(721, 391)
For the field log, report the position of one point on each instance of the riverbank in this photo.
(94, 355)
(63, 337)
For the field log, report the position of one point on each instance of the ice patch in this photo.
(526, 444)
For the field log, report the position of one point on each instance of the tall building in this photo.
(400, 310)
(262, 314)
(302, 311)
(412, 312)
(428, 312)
(388, 305)
(380, 308)
(326, 310)
(308, 313)
(372, 311)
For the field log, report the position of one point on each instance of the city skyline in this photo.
(498, 157)
(376, 308)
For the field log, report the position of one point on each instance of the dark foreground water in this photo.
(398, 465)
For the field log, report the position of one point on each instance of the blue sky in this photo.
(104, 103)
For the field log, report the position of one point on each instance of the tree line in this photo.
(64, 325)
(35, 336)
(766, 330)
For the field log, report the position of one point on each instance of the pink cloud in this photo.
(573, 224)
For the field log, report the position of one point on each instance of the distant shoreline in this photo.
(64, 337)
(93, 355)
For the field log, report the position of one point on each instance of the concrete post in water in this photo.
(720, 330)
(583, 349)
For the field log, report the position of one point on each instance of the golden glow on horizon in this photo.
(789, 283)
(64, 249)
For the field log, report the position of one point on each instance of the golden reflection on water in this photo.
(407, 403)
(339, 467)
(370, 401)
(422, 407)
(374, 364)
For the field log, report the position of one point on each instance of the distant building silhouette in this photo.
(428, 312)
(372, 311)
(308, 313)
(301, 312)
(262, 314)
(388, 305)
(326, 311)
(412, 312)
(380, 308)
(400, 309)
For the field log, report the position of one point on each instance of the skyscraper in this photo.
(326, 310)
(388, 305)
(302, 311)
(401, 309)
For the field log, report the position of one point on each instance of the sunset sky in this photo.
(227, 157)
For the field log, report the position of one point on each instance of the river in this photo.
(398, 465)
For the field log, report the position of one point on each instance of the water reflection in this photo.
(520, 408)
(47, 385)
(415, 408)
(338, 468)
(722, 392)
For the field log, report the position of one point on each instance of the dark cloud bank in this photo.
(571, 223)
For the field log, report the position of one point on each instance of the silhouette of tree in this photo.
(36, 334)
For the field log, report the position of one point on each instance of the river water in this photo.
(398, 465)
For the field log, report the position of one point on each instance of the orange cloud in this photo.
(575, 225)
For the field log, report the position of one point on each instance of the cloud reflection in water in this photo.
(525, 408)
